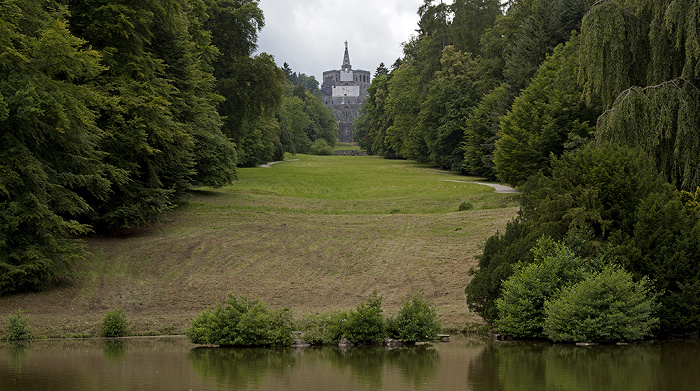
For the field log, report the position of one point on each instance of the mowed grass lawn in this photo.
(313, 233)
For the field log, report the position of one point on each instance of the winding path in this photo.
(499, 188)
(267, 165)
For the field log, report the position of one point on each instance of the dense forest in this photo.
(111, 109)
(591, 108)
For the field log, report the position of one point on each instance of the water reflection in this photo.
(239, 368)
(114, 350)
(176, 364)
(17, 353)
(417, 364)
(540, 366)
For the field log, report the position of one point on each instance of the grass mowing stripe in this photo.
(314, 235)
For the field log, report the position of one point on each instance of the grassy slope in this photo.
(314, 235)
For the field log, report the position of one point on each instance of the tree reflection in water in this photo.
(238, 368)
(539, 366)
(241, 368)
(114, 350)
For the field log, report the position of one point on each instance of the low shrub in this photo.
(321, 147)
(323, 329)
(115, 324)
(607, 306)
(416, 321)
(522, 300)
(18, 326)
(465, 205)
(242, 322)
(365, 325)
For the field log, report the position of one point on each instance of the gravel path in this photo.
(499, 188)
(266, 165)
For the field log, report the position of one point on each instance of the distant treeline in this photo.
(111, 109)
(593, 108)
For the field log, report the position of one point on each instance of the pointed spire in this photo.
(346, 67)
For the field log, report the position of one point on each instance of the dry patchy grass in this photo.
(305, 235)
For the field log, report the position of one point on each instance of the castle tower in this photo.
(346, 67)
(344, 91)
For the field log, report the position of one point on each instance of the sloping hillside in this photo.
(314, 235)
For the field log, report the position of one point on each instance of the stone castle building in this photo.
(343, 91)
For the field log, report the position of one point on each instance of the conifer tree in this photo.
(48, 144)
(548, 118)
(642, 60)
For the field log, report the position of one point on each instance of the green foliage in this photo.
(18, 326)
(115, 324)
(321, 147)
(251, 85)
(521, 305)
(445, 108)
(548, 118)
(495, 264)
(665, 247)
(481, 132)
(303, 121)
(252, 88)
(607, 306)
(613, 194)
(567, 298)
(691, 200)
(470, 21)
(674, 35)
(593, 189)
(374, 119)
(596, 189)
(293, 122)
(241, 322)
(641, 59)
(441, 80)
(142, 115)
(323, 124)
(465, 205)
(416, 321)
(365, 325)
(612, 51)
(402, 106)
(324, 329)
(664, 121)
(539, 26)
(186, 49)
(49, 162)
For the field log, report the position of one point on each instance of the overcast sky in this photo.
(310, 35)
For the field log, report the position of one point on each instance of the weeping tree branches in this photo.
(641, 59)
(613, 49)
(663, 120)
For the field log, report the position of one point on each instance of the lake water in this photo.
(175, 364)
